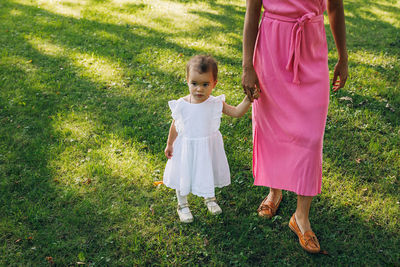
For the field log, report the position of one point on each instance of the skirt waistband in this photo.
(184, 136)
(296, 38)
(308, 17)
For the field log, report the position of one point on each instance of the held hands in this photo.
(251, 86)
(340, 71)
(168, 151)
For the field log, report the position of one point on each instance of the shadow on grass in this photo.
(115, 221)
(241, 238)
(364, 26)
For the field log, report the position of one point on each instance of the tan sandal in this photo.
(268, 209)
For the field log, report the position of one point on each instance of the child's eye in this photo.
(205, 84)
(194, 83)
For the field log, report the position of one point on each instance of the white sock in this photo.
(182, 200)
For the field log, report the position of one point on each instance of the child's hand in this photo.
(256, 93)
(168, 151)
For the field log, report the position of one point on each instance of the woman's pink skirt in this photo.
(289, 116)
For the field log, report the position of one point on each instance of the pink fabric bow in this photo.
(295, 42)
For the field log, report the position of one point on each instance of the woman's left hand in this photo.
(341, 71)
(251, 86)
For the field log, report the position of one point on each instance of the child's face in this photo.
(200, 85)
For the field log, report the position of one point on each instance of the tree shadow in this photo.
(250, 240)
(34, 204)
(365, 29)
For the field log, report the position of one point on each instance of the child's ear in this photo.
(215, 82)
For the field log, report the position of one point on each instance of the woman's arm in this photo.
(250, 30)
(171, 139)
(237, 111)
(338, 27)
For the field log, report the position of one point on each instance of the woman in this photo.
(285, 67)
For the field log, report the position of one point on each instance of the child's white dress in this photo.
(199, 163)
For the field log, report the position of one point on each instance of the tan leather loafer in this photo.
(308, 241)
(268, 209)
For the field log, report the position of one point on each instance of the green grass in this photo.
(84, 87)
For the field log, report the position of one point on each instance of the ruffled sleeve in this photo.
(173, 107)
(220, 98)
(217, 111)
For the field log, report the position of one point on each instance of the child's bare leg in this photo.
(270, 204)
(302, 212)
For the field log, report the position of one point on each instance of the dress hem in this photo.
(289, 189)
(200, 194)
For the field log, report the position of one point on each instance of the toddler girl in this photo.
(196, 158)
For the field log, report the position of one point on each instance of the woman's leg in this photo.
(300, 225)
(274, 195)
(270, 204)
(302, 212)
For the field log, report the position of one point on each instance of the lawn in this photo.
(84, 119)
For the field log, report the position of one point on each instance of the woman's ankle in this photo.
(300, 216)
(276, 192)
(303, 221)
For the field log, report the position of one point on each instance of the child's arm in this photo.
(237, 111)
(171, 139)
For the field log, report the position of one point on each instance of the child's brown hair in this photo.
(203, 64)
